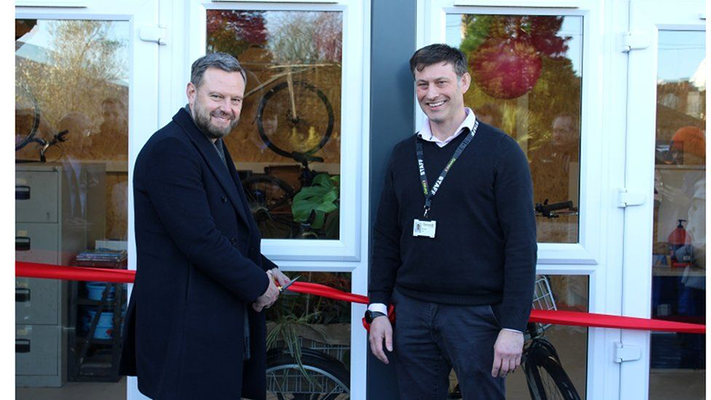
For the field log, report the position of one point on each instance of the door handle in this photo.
(22, 192)
(22, 295)
(23, 243)
(22, 345)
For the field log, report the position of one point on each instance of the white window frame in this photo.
(597, 196)
(302, 253)
(553, 258)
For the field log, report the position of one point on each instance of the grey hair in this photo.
(438, 53)
(221, 61)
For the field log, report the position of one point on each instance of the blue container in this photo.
(96, 289)
(105, 327)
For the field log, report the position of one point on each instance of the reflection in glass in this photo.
(679, 252)
(527, 76)
(312, 332)
(71, 141)
(75, 75)
(288, 142)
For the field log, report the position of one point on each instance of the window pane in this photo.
(527, 76)
(677, 363)
(287, 146)
(71, 140)
(321, 331)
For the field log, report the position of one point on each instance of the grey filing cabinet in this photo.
(59, 211)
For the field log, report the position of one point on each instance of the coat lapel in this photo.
(213, 161)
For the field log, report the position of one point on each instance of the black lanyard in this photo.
(421, 164)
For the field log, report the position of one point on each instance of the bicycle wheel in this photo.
(327, 379)
(27, 116)
(269, 200)
(291, 135)
(545, 375)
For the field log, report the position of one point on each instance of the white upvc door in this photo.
(650, 58)
(144, 36)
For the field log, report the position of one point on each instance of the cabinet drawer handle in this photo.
(22, 192)
(22, 345)
(23, 243)
(22, 295)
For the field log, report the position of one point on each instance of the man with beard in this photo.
(195, 326)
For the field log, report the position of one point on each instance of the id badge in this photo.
(424, 228)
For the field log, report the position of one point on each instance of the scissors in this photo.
(283, 288)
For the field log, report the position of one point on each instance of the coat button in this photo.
(233, 240)
(223, 199)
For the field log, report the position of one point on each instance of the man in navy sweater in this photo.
(454, 244)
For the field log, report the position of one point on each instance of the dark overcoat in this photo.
(198, 263)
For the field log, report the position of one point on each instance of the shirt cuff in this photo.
(378, 307)
(511, 330)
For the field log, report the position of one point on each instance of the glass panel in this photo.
(288, 144)
(678, 363)
(527, 76)
(555, 356)
(71, 140)
(317, 331)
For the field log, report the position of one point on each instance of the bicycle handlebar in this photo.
(547, 209)
(304, 159)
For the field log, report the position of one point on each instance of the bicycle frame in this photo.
(289, 71)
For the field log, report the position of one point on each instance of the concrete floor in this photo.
(570, 342)
(76, 391)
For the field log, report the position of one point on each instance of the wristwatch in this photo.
(371, 315)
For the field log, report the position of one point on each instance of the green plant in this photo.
(320, 199)
(284, 329)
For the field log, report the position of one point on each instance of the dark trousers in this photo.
(431, 338)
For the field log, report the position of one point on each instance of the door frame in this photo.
(143, 103)
(646, 18)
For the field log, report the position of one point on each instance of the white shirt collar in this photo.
(426, 132)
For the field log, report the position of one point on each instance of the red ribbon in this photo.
(557, 317)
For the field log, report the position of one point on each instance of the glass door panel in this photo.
(288, 145)
(71, 134)
(663, 274)
(677, 364)
(527, 81)
(81, 101)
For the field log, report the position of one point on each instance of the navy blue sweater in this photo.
(484, 251)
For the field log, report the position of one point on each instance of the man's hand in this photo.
(507, 353)
(268, 297)
(380, 330)
(281, 279)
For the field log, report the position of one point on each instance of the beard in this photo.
(202, 120)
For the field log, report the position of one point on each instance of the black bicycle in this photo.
(319, 377)
(270, 198)
(544, 371)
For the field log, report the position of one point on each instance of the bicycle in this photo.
(270, 200)
(323, 377)
(279, 109)
(545, 375)
(270, 197)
